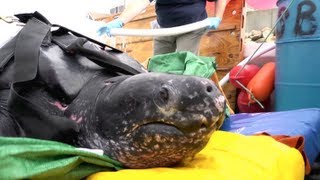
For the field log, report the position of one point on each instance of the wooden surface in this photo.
(225, 43)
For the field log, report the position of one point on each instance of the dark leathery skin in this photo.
(145, 120)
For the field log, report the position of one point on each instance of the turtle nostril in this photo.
(203, 126)
(204, 123)
(164, 94)
(209, 89)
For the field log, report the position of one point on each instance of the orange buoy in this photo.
(247, 73)
(262, 84)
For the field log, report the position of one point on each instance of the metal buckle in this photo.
(9, 19)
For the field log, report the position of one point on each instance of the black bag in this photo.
(32, 58)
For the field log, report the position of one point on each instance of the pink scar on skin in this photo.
(75, 118)
(59, 106)
(79, 120)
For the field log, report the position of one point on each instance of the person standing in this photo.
(172, 13)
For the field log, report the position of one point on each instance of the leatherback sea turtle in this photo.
(59, 85)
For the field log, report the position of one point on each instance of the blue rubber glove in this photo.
(110, 25)
(214, 22)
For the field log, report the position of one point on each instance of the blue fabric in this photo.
(303, 122)
(171, 13)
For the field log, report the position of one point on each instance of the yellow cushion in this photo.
(227, 156)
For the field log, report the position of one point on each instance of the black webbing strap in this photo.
(102, 58)
(25, 17)
(38, 26)
(26, 56)
(64, 30)
(105, 58)
(35, 120)
(8, 50)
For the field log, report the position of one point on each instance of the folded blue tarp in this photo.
(302, 122)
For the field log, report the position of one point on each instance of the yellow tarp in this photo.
(227, 156)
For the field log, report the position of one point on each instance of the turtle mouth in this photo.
(156, 127)
(160, 124)
(168, 127)
(158, 144)
(187, 123)
(202, 128)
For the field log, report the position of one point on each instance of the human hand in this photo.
(110, 25)
(214, 22)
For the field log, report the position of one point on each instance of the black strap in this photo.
(105, 59)
(35, 120)
(65, 30)
(39, 25)
(25, 17)
(27, 49)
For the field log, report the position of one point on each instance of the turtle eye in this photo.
(164, 94)
(209, 89)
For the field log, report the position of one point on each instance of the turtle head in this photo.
(154, 119)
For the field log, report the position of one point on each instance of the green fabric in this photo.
(183, 63)
(26, 158)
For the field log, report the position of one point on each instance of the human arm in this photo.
(220, 6)
(133, 9)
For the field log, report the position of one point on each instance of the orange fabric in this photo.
(295, 142)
